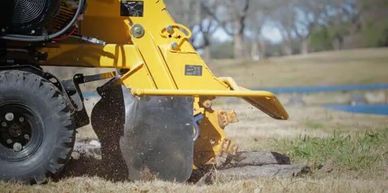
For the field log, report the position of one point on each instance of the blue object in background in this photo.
(318, 89)
(376, 109)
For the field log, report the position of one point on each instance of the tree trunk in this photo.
(239, 51)
(207, 53)
(262, 48)
(255, 53)
(304, 47)
(258, 50)
(238, 37)
(287, 50)
(338, 42)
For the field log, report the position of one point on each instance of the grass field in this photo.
(272, 185)
(326, 68)
(347, 152)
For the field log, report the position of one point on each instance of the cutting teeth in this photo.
(227, 117)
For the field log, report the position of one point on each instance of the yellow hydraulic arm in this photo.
(157, 53)
(158, 60)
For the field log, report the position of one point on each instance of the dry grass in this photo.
(273, 185)
(255, 130)
(326, 68)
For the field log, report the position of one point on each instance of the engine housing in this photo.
(28, 17)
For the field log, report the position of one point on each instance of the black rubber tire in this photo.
(57, 131)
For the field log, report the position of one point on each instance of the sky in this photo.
(270, 32)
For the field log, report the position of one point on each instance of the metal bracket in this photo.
(74, 93)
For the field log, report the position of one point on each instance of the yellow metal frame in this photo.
(156, 59)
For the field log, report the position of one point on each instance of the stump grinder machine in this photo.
(155, 110)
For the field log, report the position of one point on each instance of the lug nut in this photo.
(9, 116)
(9, 141)
(3, 124)
(17, 147)
(174, 46)
(27, 137)
(21, 119)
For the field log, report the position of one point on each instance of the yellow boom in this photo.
(157, 53)
(157, 59)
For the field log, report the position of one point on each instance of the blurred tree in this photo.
(346, 23)
(320, 40)
(342, 20)
(257, 18)
(374, 14)
(311, 14)
(285, 18)
(222, 50)
(207, 26)
(231, 15)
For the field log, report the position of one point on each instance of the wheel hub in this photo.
(15, 128)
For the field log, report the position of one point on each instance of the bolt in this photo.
(137, 31)
(170, 29)
(27, 137)
(32, 31)
(174, 46)
(9, 141)
(21, 119)
(9, 116)
(17, 147)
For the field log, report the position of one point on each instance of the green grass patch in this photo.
(356, 152)
(312, 124)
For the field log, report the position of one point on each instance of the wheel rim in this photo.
(21, 132)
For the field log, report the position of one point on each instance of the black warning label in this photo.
(132, 8)
(193, 70)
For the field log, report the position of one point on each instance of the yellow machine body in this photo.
(159, 61)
